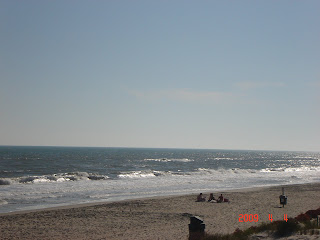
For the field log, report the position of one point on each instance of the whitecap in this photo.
(223, 158)
(139, 174)
(169, 159)
(41, 180)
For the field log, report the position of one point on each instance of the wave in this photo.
(265, 170)
(199, 171)
(141, 174)
(169, 159)
(305, 157)
(226, 171)
(291, 169)
(219, 171)
(223, 158)
(61, 177)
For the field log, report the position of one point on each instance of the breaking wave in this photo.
(61, 177)
(215, 172)
(222, 172)
(141, 174)
(226, 171)
(292, 169)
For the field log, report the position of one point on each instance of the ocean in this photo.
(42, 177)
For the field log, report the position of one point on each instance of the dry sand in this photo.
(158, 218)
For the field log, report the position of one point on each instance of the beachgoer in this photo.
(200, 198)
(211, 197)
(220, 199)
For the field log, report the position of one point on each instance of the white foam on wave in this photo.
(292, 169)
(41, 180)
(140, 174)
(138, 184)
(60, 177)
(224, 171)
(169, 159)
(199, 171)
(63, 179)
(223, 158)
(220, 172)
(305, 157)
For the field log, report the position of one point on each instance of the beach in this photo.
(159, 217)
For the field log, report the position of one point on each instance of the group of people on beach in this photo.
(201, 198)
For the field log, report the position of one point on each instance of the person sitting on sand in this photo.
(200, 198)
(220, 199)
(211, 197)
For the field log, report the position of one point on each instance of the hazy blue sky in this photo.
(188, 74)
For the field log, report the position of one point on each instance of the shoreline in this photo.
(164, 217)
(89, 204)
(80, 205)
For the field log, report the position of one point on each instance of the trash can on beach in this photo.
(283, 198)
(196, 228)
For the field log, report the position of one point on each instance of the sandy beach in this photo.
(158, 218)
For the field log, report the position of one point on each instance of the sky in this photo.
(163, 74)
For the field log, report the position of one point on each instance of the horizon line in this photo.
(182, 148)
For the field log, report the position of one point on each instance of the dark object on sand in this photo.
(196, 228)
(283, 198)
(200, 198)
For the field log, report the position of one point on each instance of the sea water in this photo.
(41, 177)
